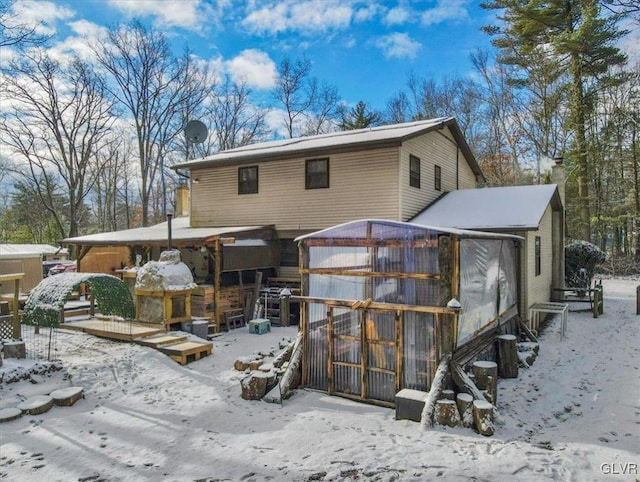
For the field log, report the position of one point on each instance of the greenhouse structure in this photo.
(383, 302)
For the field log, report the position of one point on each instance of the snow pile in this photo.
(574, 415)
(169, 273)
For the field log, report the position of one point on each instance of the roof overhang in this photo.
(182, 235)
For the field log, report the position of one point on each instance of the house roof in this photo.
(11, 251)
(358, 139)
(388, 229)
(512, 208)
(182, 234)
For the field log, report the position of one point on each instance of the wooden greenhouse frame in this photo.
(446, 313)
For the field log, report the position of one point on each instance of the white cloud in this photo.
(445, 10)
(398, 45)
(253, 67)
(396, 16)
(308, 17)
(367, 12)
(87, 34)
(188, 14)
(41, 15)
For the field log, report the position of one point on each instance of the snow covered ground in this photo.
(574, 415)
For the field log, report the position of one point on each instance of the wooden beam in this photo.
(375, 305)
(368, 243)
(330, 354)
(369, 274)
(217, 258)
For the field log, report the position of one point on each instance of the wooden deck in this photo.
(116, 330)
(178, 347)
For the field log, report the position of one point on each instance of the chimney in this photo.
(558, 177)
(182, 200)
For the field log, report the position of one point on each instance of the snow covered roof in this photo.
(181, 234)
(508, 208)
(387, 229)
(344, 140)
(11, 251)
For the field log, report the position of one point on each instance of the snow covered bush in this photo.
(581, 260)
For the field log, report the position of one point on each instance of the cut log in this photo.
(66, 397)
(254, 385)
(483, 417)
(291, 377)
(426, 420)
(464, 401)
(464, 383)
(448, 394)
(242, 363)
(446, 413)
(36, 405)
(486, 375)
(8, 414)
(507, 356)
(284, 356)
(255, 364)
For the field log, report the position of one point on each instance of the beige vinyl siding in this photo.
(466, 177)
(432, 149)
(363, 184)
(539, 287)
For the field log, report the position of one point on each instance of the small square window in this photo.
(437, 178)
(248, 180)
(538, 253)
(414, 171)
(316, 174)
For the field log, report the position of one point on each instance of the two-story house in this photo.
(306, 184)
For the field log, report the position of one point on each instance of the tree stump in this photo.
(448, 394)
(483, 417)
(486, 372)
(254, 386)
(255, 364)
(36, 405)
(14, 349)
(66, 397)
(464, 401)
(507, 356)
(446, 413)
(10, 413)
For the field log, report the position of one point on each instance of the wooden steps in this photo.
(187, 351)
(178, 347)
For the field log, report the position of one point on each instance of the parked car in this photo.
(50, 268)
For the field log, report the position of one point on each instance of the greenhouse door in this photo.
(362, 353)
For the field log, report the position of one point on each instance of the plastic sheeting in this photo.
(488, 283)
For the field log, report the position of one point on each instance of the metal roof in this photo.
(10, 251)
(181, 234)
(350, 140)
(513, 208)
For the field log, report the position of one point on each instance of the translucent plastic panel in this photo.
(317, 346)
(337, 287)
(487, 283)
(339, 257)
(381, 386)
(347, 380)
(419, 350)
(407, 260)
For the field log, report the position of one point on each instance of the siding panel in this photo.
(432, 149)
(362, 185)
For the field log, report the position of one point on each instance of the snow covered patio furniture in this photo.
(374, 302)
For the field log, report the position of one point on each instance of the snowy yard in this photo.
(574, 415)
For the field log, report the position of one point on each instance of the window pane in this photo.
(437, 174)
(414, 171)
(248, 180)
(317, 173)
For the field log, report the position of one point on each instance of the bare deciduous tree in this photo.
(59, 115)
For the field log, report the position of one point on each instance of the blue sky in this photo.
(365, 48)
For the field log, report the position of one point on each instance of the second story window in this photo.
(437, 178)
(316, 174)
(248, 180)
(414, 171)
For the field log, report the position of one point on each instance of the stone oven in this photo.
(163, 290)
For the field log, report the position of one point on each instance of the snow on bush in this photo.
(581, 260)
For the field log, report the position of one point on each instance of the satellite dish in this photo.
(196, 131)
